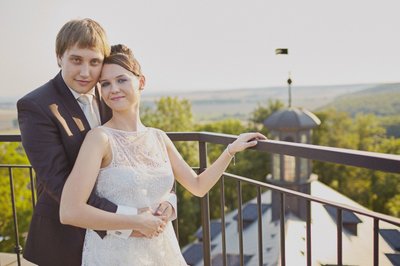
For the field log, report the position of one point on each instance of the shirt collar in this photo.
(77, 94)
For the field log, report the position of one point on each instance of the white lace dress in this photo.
(140, 175)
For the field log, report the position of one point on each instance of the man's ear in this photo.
(58, 61)
(142, 82)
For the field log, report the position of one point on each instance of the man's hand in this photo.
(164, 209)
(136, 234)
(150, 225)
(158, 212)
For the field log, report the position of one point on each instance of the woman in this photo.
(133, 165)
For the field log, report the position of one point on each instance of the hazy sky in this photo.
(213, 44)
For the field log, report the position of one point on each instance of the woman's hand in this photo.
(244, 141)
(151, 225)
(164, 209)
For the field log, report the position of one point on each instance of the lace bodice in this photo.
(139, 175)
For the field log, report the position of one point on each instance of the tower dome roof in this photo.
(292, 119)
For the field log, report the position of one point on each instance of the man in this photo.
(54, 120)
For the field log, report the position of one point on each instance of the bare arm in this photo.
(74, 209)
(199, 185)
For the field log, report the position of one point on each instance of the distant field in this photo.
(8, 120)
(10, 132)
(382, 100)
(239, 103)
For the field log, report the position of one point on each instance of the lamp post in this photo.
(284, 51)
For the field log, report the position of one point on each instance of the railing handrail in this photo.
(370, 160)
(10, 138)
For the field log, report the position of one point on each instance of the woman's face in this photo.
(120, 88)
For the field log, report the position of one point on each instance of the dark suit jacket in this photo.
(53, 127)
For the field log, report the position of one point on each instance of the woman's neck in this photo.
(127, 121)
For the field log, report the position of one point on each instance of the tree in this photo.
(373, 189)
(248, 163)
(386, 186)
(171, 115)
(258, 115)
(369, 132)
(12, 154)
(174, 115)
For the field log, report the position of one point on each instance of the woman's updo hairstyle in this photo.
(123, 56)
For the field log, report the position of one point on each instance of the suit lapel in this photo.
(78, 121)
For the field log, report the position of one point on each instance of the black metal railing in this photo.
(375, 161)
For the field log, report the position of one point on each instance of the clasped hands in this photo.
(153, 222)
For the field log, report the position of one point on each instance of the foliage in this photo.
(249, 163)
(383, 101)
(12, 154)
(175, 115)
(261, 112)
(372, 189)
(391, 124)
(170, 114)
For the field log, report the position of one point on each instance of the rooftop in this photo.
(357, 249)
(292, 119)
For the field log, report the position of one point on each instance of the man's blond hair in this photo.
(85, 33)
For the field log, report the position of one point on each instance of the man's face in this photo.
(81, 68)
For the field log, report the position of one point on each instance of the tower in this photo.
(293, 125)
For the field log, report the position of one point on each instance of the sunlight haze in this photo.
(186, 45)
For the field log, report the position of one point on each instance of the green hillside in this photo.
(381, 100)
(217, 105)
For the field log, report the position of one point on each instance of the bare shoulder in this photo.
(156, 130)
(97, 136)
(161, 134)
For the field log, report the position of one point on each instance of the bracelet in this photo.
(230, 154)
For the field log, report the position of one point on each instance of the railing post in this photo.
(260, 233)
(339, 222)
(308, 232)
(376, 242)
(205, 208)
(282, 229)
(223, 232)
(33, 187)
(18, 248)
(240, 222)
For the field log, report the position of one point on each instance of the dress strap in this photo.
(111, 140)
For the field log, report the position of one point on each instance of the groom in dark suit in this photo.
(53, 123)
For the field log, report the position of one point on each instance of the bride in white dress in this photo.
(135, 166)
